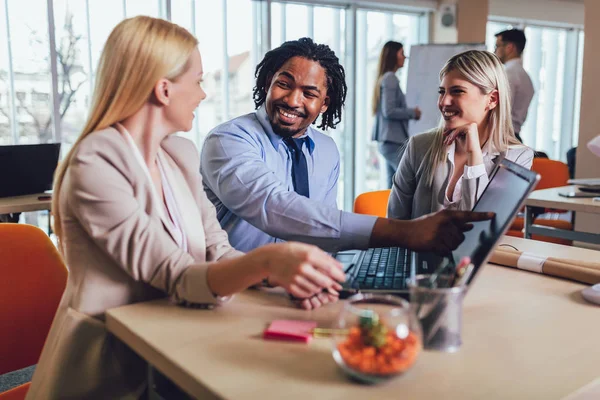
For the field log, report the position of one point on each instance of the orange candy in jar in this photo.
(395, 356)
(382, 337)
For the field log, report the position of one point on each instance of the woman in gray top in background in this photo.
(449, 167)
(389, 107)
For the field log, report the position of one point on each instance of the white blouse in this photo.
(470, 172)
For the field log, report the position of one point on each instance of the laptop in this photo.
(386, 270)
(27, 169)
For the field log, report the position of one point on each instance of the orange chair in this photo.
(33, 281)
(372, 203)
(552, 174)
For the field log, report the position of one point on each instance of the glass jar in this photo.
(376, 337)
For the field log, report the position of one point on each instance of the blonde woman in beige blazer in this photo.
(134, 223)
(449, 167)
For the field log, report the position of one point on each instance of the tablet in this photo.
(509, 186)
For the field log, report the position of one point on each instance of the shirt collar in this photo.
(274, 138)
(514, 61)
(488, 151)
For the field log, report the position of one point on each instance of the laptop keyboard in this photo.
(383, 269)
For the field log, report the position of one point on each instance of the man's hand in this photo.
(442, 232)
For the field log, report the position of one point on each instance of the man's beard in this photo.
(283, 131)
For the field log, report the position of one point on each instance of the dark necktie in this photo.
(299, 166)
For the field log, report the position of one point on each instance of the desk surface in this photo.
(549, 198)
(526, 336)
(9, 205)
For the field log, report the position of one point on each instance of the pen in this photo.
(328, 331)
(463, 275)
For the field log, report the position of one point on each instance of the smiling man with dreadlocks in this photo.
(272, 176)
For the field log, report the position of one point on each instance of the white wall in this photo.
(558, 11)
(588, 165)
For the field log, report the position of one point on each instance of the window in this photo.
(73, 58)
(553, 58)
(225, 35)
(6, 103)
(28, 70)
(374, 29)
(45, 90)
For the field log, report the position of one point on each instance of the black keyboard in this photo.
(383, 269)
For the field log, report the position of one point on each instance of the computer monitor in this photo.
(27, 169)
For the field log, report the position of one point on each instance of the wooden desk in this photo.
(11, 205)
(525, 335)
(550, 198)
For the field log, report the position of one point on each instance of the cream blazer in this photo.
(412, 196)
(119, 251)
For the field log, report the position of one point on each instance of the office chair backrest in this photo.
(553, 173)
(372, 203)
(33, 279)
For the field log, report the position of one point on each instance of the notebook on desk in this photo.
(386, 270)
(27, 169)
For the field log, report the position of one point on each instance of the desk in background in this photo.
(11, 205)
(28, 203)
(525, 335)
(550, 198)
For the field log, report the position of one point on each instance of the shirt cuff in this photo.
(356, 230)
(193, 288)
(474, 171)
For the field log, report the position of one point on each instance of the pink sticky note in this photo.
(296, 331)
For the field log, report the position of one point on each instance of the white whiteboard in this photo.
(423, 80)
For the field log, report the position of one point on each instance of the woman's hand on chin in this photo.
(466, 138)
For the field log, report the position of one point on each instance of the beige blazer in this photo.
(412, 196)
(119, 251)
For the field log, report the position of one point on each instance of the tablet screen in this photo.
(507, 190)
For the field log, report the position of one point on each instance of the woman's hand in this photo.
(466, 138)
(317, 300)
(303, 271)
(417, 113)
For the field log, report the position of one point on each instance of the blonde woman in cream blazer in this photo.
(134, 223)
(449, 167)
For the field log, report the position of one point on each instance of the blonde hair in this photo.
(484, 70)
(138, 52)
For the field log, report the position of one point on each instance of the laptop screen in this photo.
(27, 169)
(508, 188)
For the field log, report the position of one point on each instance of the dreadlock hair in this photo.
(305, 48)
